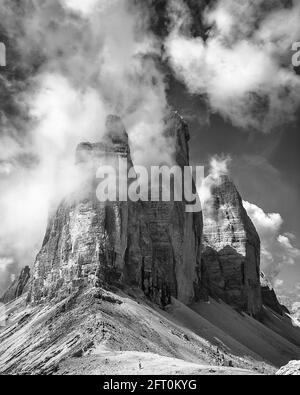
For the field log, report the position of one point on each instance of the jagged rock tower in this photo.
(231, 249)
(155, 246)
(86, 240)
(175, 234)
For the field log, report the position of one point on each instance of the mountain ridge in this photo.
(148, 265)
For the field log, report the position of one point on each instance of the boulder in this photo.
(291, 369)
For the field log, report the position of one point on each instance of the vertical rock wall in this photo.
(86, 240)
(153, 245)
(231, 249)
(175, 234)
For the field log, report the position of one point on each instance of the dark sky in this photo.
(265, 167)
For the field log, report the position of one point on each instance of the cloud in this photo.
(86, 7)
(70, 64)
(6, 168)
(277, 249)
(219, 166)
(278, 283)
(243, 68)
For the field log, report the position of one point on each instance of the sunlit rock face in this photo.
(155, 246)
(231, 249)
(175, 234)
(87, 241)
(291, 369)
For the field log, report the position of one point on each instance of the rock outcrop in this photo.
(295, 311)
(18, 287)
(269, 297)
(291, 369)
(231, 249)
(155, 246)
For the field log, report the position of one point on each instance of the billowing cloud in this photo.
(219, 166)
(86, 7)
(70, 63)
(278, 283)
(243, 68)
(277, 249)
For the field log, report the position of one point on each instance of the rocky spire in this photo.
(153, 245)
(175, 234)
(231, 249)
(86, 240)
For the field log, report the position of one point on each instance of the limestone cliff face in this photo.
(231, 249)
(155, 246)
(18, 287)
(175, 234)
(87, 241)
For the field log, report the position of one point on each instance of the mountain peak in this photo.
(231, 249)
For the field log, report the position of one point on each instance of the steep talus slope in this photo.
(105, 326)
(260, 339)
(95, 331)
(281, 324)
(230, 268)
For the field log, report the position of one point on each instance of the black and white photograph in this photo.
(149, 190)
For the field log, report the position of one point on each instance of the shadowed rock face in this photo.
(231, 249)
(175, 234)
(155, 246)
(269, 297)
(18, 287)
